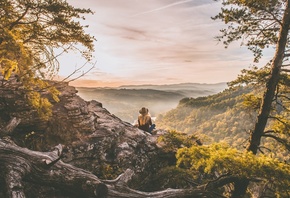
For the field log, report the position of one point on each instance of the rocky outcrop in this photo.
(93, 138)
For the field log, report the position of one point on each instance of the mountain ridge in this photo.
(125, 102)
(174, 86)
(161, 86)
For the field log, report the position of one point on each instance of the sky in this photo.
(155, 42)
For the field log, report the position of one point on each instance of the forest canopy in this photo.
(258, 25)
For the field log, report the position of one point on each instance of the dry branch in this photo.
(9, 128)
(45, 168)
(21, 164)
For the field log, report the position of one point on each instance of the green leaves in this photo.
(255, 23)
(174, 140)
(253, 76)
(31, 27)
(222, 159)
(30, 30)
(42, 105)
(7, 67)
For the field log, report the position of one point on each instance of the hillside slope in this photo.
(219, 117)
(186, 89)
(125, 101)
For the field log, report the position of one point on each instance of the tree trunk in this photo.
(11, 125)
(21, 164)
(271, 85)
(269, 94)
(240, 188)
(46, 169)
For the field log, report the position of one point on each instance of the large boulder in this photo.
(93, 138)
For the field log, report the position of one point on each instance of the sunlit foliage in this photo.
(221, 159)
(174, 140)
(258, 24)
(219, 117)
(255, 23)
(30, 32)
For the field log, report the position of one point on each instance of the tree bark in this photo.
(9, 128)
(271, 86)
(272, 83)
(19, 164)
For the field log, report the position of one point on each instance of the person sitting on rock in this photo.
(144, 120)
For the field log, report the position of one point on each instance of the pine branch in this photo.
(284, 142)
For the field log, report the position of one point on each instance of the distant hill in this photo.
(186, 89)
(218, 117)
(177, 86)
(222, 117)
(125, 101)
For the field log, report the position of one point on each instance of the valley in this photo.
(125, 101)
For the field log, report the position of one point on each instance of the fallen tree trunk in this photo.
(45, 168)
(18, 165)
(118, 189)
(11, 125)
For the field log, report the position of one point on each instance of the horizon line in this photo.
(140, 85)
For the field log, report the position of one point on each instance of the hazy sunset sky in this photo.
(156, 42)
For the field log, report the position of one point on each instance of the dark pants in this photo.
(151, 128)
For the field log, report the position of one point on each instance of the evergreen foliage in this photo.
(259, 24)
(256, 23)
(219, 117)
(227, 118)
(221, 159)
(174, 140)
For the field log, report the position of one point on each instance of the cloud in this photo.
(165, 41)
(163, 7)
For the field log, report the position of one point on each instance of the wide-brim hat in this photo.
(143, 110)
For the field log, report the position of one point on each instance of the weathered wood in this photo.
(14, 188)
(19, 164)
(45, 168)
(126, 192)
(118, 189)
(11, 125)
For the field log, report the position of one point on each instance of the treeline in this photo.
(224, 117)
(219, 117)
